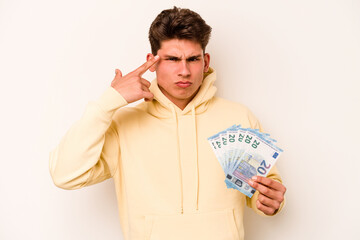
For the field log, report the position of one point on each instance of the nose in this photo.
(184, 70)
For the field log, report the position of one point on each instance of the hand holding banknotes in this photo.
(247, 156)
(271, 194)
(132, 86)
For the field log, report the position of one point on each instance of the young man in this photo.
(168, 181)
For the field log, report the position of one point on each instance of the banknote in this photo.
(244, 153)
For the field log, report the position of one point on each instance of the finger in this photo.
(268, 202)
(145, 85)
(148, 96)
(145, 89)
(145, 82)
(265, 209)
(143, 68)
(269, 192)
(269, 183)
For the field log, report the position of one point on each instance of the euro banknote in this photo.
(244, 153)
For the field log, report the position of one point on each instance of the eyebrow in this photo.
(195, 56)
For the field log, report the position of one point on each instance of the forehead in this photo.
(180, 47)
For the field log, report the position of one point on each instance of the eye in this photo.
(193, 59)
(175, 59)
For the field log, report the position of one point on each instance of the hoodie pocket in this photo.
(219, 225)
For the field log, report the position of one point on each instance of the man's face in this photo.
(180, 70)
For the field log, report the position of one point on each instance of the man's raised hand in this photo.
(132, 86)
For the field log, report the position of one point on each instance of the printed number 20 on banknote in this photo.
(252, 162)
(244, 153)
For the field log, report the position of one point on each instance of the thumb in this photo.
(118, 73)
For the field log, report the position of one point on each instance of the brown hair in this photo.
(178, 23)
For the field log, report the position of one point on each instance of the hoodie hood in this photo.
(162, 107)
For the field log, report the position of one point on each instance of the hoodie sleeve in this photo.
(273, 174)
(89, 152)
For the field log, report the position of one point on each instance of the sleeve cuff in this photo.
(111, 100)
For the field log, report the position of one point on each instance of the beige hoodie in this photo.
(168, 181)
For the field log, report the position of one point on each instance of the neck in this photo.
(181, 105)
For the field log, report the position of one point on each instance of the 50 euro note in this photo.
(244, 153)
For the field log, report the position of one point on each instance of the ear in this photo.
(153, 67)
(206, 62)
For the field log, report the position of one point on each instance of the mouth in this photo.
(184, 84)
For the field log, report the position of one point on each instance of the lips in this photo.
(183, 84)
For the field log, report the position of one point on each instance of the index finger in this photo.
(143, 68)
(269, 183)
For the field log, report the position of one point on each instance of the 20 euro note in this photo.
(251, 153)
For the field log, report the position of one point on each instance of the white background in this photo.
(295, 64)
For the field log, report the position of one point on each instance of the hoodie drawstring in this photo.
(178, 156)
(193, 113)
